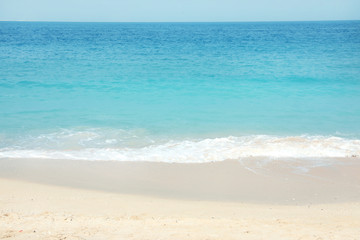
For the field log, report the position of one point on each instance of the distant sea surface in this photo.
(179, 92)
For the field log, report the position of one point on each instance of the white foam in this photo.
(204, 150)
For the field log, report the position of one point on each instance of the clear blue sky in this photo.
(178, 10)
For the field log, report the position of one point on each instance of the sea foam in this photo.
(92, 146)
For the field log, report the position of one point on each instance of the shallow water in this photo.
(179, 92)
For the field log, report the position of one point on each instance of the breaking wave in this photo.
(137, 146)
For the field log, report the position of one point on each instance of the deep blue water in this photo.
(131, 84)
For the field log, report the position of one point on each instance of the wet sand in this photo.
(277, 182)
(42, 199)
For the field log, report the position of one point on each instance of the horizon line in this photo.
(255, 21)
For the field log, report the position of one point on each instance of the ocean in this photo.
(180, 92)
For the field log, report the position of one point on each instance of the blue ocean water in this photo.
(188, 92)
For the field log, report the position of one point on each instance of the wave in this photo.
(122, 146)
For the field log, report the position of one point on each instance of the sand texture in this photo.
(36, 211)
(42, 199)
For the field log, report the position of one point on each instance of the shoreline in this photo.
(42, 199)
(276, 182)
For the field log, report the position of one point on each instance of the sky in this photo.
(178, 10)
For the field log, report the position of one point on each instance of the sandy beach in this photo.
(42, 199)
(179, 120)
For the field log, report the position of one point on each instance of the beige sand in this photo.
(42, 199)
(277, 182)
(35, 211)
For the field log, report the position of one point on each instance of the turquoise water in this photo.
(179, 91)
